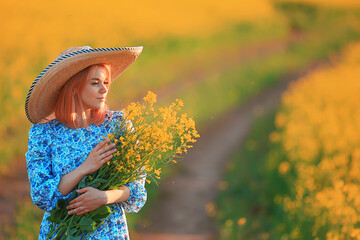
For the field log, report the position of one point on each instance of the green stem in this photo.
(53, 232)
(71, 220)
(61, 231)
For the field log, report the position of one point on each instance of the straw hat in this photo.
(45, 90)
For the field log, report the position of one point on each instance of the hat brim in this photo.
(45, 90)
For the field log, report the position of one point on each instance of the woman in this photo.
(66, 103)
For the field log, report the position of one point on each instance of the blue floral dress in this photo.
(54, 150)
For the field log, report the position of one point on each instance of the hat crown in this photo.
(72, 50)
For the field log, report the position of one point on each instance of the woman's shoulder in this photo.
(41, 132)
(42, 128)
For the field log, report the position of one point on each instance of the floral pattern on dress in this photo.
(54, 150)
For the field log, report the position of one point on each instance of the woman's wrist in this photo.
(117, 195)
(82, 170)
(70, 181)
(104, 198)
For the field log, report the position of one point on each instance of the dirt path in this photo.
(181, 213)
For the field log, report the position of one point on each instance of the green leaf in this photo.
(53, 218)
(73, 195)
(61, 203)
(72, 234)
(86, 224)
(82, 183)
(58, 212)
(101, 213)
(96, 183)
(73, 231)
(73, 237)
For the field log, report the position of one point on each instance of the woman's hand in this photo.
(90, 199)
(98, 156)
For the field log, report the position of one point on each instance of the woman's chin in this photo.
(100, 106)
(95, 107)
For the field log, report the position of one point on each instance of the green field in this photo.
(254, 184)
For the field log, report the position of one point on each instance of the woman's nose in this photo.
(103, 88)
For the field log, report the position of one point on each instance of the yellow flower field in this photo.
(319, 129)
(47, 26)
(35, 32)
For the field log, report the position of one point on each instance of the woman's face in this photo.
(96, 89)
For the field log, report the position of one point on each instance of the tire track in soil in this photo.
(181, 214)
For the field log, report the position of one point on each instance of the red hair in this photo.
(69, 102)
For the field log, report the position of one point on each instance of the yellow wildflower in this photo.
(157, 171)
(150, 97)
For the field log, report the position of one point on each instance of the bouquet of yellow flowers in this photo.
(145, 139)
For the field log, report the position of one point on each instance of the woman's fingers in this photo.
(107, 158)
(106, 148)
(87, 202)
(74, 205)
(101, 144)
(105, 151)
(98, 156)
(82, 190)
(107, 154)
(78, 210)
(78, 199)
(83, 212)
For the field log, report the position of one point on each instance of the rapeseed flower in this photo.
(318, 128)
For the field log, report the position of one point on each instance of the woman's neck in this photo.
(82, 123)
(88, 114)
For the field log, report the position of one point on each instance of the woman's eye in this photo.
(96, 83)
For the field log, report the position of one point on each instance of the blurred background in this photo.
(295, 173)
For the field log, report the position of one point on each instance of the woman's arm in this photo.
(117, 195)
(43, 180)
(92, 198)
(132, 196)
(96, 158)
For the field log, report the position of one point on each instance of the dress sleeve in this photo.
(138, 196)
(43, 182)
(115, 119)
